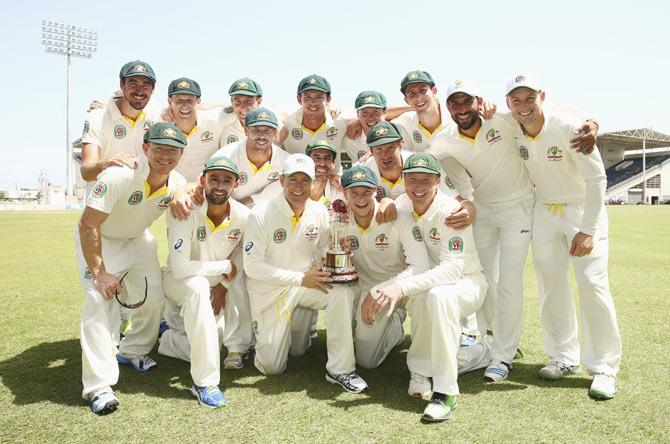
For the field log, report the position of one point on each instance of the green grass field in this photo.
(40, 366)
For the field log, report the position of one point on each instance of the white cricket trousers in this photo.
(283, 327)
(553, 230)
(503, 234)
(101, 319)
(435, 347)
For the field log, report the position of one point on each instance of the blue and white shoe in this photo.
(142, 364)
(497, 371)
(468, 340)
(162, 328)
(211, 397)
(103, 402)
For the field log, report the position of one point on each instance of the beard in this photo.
(215, 200)
(469, 124)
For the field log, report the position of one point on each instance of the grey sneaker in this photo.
(350, 382)
(556, 370)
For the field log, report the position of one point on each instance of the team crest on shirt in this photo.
(87, 274)
(201, 233)
(312, 232)
(448, 183)
(274, 176)
(135, 198)
(244, 178)
(492, 136)
(206, 136)
(523, 151)
(234, 235)
(279, 236)
(381, 241)
(554, 154)
(417, 136)
(228, 110)
(119, 131)
(87, 127)
(353, 243)
(456, 245)
(232, 138)
(165, 202)
(296, 133)
(434, 235)
(381, 193)
(99, 190)
(361, 154)
(331, 133)
(416, 234)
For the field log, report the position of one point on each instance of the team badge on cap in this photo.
(169, 132)
(420, 163)
(381, 131)
(312, 81)
(264, 116)
(243, 85)
(139, 68)
(369, 99)
(183, 85)
(519, 78)
(413, 76)
(358, 175)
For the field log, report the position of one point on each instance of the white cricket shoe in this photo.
(603, 387)
(419, 386)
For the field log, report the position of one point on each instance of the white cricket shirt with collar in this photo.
(417, 138)
(124, 194)
(203, 141)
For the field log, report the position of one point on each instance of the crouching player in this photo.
(203, 250)
(454, 288)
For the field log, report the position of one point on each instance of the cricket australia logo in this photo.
(416, 234)
(417, 136)
(206, 136)
(381, 241)
(434, 235)
(135, 198)
(201, 233)
(312, 232)
(493, 136)
(165, 202)
(456, 245)
(296, 133)
(523, 151)
(273, 177)
(331, 133)
(353, 243)
(232, 139)
(554, 154)
(119, 131)
(234, 235)
(279, 236)
(244, 178)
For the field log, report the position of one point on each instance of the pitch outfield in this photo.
(40, 365)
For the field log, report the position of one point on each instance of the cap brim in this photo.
(264, 123)
(313, 88)
(320, 147)
(174, 93)
(384, 141)
(243, 92)
(370, 106)
(420, 170)
(464, 91)
(361, 184)
(411, 82)
(221, 168)
(141, 74)
(534, 88)
(168, 142)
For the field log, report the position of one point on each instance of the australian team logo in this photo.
(554, 154)
(331, 133)
(274, 176)
(381, 192)
(456, 244)
(492, 136)
(523, 151)
(381, 241)
(87, 274)
(244, 178)
(87, 127)
(434, 235)
(228, 110)
(417, 136)
(448, 183)
(312, 232)
(296, 133)
(119, 131)
(416, 234)
(201, 233)
(206, 136)
(279, 236)
(232, 139)
(353, 243)
(234, 235)
(99, 189)
(135, 198)
(165, 202)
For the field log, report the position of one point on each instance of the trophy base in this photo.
(340, 268)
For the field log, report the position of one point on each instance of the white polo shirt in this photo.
(261, 184)
(494, 169)
(417, 138)
(453, 253)
(198, 248)
(203, 141)
(279, 248)
(560, 174)
(355, 148)
(387, 251)
(299, 136)
(123, 193)
(231, 129)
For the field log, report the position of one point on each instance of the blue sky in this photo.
(608, 59)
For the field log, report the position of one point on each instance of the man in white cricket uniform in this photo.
(202, 132)
(381, 253)
(323, 153)
(245, 95)
(117, 254)
(569, 224)
(312, 121)
(455, 286)
(201, 256)
(370, 110)
(285, 240)
(113, 135)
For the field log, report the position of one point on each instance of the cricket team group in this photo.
(442, 201)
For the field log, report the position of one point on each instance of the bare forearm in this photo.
(91, 247)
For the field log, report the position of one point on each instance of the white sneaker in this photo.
(350, 382)
(603, 387)
(419, 386)
(497, 371)
(233, 361)
(556, 370)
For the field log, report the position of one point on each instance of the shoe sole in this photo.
(601, 396)
(427, 418)
(546, 377)
(233, 366)
(335, 381)
(125, 361)
(195, 393)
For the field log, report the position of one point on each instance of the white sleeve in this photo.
(409, 142)
(269, 192)
(111, 185)
(592, 170)
(93, 127)
(457, 176)
(255, 266)
(180, 235)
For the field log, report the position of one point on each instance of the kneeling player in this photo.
(202, 248)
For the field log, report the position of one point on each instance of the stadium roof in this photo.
(630, 140)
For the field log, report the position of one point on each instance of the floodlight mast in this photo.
(70, 41)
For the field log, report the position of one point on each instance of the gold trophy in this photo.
(338, 257)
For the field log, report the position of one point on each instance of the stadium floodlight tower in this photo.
(70, 41)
